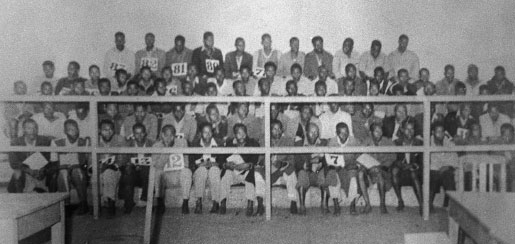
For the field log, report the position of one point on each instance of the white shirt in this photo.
(65, 158)
(304, 86)
(54, 128)
(332, 86)
(329, 120)
(341, 60)
(225, 89)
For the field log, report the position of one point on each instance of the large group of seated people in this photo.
(204, 72)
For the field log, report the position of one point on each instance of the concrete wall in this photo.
(441, 32)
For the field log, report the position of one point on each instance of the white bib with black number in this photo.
(211, 64)
(116, 66)
(107, 160)
(142, 161)
(259, 72)
(336, 160)
(150, 62)
(176, 162)
(179, 69)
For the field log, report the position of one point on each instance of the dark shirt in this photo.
(200, 56)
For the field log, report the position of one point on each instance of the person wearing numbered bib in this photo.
(236, 59)
(266, 54)
(207, 170)
(347, 168)
(443, 165)
(294, 56)
(172, 169)
(378, 166)
(317, 58)
(179, 57)
(407, 168)
(28, 175)
(136, 172)
(150, 56)
(141, 115)
(110, 165)
(241, 168)
(207, 57)
(283, 171)
(72, 167)
(118, 57)
(185, 124)
(312, 170)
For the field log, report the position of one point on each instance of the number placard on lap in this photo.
(462, 132)
(107, 161)
(173, 90)
(259, 72)
(367, 161)
(179, 69)
(336, 160)
(150, 62)
(116, 66)
(211, 64)
(143, 161)
(176, 162)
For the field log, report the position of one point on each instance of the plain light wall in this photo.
(441, 32)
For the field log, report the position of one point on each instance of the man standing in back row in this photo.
(117, 58)
(150, 56)
(402, 58)
(207, 57)
(179, 57)
(317, 58)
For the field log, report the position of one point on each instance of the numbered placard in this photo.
(205, 158)
(142, 161)
(336, 160)
(211, 65)
(176, 162)
(150, 62)
(179, 69)
(116, 66)
(367, 161)
(179, 135)
(173, 90)
(462, 132)
(107, 161)
(259, 72)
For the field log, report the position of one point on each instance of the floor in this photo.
(235, 227)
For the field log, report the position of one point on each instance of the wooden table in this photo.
(485, 217)
(22, 215)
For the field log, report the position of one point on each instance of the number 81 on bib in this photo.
(179, 69)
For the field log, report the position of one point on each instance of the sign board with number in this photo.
(367, 161)
(116, 66)
(336, 160)
(211, 64)
(259, 72)
(179, 135)
(176, 162)
(173, 90)
(142, 161)
(462, 132)
(107, 160)
(150, 62)
(179, 69)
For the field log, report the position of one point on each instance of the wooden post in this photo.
(268, 184)
(93, 108)
(150, 202)
(427, 163)
(502, 178)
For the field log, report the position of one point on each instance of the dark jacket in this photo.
(200, 56)
(220, 159)
(389, 127)
(16, 158)
(232, 66)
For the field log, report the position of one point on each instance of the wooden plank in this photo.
(268, 183)
(150, 202)
(9, 229)
(93, 108)
(427, 162)
(58, 228)
(38, 220)
(502, 178)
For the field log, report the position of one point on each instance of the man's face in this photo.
(119, 41)
(449, 74)
(139, 134)
(220, 76)
(72, 132)
(146, 74)
(79, 87)
(296, 74)
(476, 130)
(178, 113)
(161, 88)
(379, 76)
(48, 110)
(294, 46)
(167, 74)
(334, 107)
(209, 42)
(187, 89)
(400, 114)
(274, 111)
(270, 72)
(349, 108)
(243, 110)
(30, 131)
(241, 135)
(132, 90)
(462, 91)
(507, 135)
(245, 74)
(351, 72)
(291, 89)
(48, 70)
(211, 92)
(267, 42)
(494, 113)
(72, 71)
(179, 46)
(367, 110)
(305, 113)
(465, 111)
(276, 131)
(318, 46)
(112, 109)
(20, 88)
(47, 90)
(320, 91)
(106, 132)
(377, 133)
(265, 87)
(403, 44)
(213, 115)
(409, 131)
(424, 76)
(206, 134)
(439, 133)
(122, 79)
(322, 73)
(239, 89)
(167, 137)
(403, 78)
(140, 113)
(94, 74)
(374, 90)
(500, 74)
(375, 51)
(240, 46)
(349, 87)
(82, 113)
(347, 47)
(429, 90)
(343, 134)
(312, 134)
(473, 73)
(150, 40)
